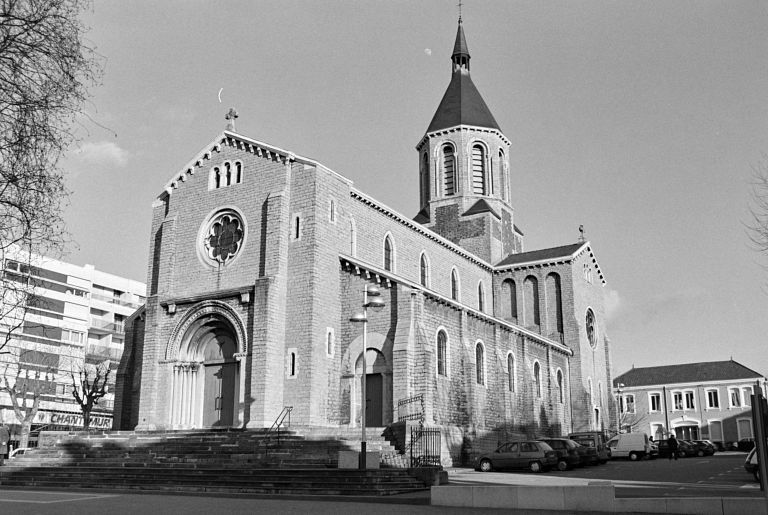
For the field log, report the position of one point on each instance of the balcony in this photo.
(102, 326)
(115, 300)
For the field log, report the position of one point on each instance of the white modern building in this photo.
(75, 317)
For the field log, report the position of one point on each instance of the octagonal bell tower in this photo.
(464, 169)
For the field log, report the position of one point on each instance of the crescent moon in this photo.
(222, 89)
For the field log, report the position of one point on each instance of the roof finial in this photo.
(230, 117)
(582, 239)
(460, 4)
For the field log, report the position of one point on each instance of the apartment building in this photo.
(710, 400)
(75, 317)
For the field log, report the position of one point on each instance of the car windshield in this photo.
(570, 444)
(545, 447)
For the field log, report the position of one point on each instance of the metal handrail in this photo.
(286, 412)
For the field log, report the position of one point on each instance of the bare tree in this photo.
(46, 68)
(89, 384)
(758, 224)
(630, 422)
(27, 375)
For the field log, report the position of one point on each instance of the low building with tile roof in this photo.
(709, 400)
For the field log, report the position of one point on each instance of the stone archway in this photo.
(207, 383)
(378, 376)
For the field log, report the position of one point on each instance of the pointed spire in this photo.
(460, 57)
(461, 103)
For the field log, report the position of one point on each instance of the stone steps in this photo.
(303, 461)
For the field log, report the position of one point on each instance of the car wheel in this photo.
(757, 475)
(700, 453)
(535, 467)
(485, 466)
(562, 465)
(633, 456)
(681, 454)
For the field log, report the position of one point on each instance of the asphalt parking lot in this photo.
(721, 475)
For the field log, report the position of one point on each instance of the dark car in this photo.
(568, 452)
(710, 445)
(595, 440)
(531, 455)
(745, 444)
(701, 448)
(687, 448)
(665, 451)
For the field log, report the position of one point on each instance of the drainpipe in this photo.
(666, 412)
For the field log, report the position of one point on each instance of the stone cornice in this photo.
(458, 128)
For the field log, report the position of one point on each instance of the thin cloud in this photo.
(102, 153)
(613, 304)
(428, 51)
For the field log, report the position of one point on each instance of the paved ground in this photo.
(721, 475)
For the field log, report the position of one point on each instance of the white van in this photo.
(634, 446)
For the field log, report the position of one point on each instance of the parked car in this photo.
(712, 448)
(664, 450)
(700, 448)
(750, 464)
(745, 444)
(634, 446)
(595, 440)
(568, 455)
(531, 455)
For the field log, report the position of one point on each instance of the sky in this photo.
(641, 121)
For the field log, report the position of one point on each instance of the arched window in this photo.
(554, 303)
(503, 174)
(478, 170)
(216, 177)
(424, 179)
(454, 284)
(590, 393)
(352, 238)
(424, 271)
(560, 395)
(442, 353)
(449, 170)
(511, 371)
(480, 363)
(537, 378)
(292, 364)
(238, 172)
(329, 341)
(480, 297)
(591, 328)
(228, 173)
(509, 300)
(332, 211)
(531, 294)
(388, 254)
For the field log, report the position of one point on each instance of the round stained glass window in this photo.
(223, 237)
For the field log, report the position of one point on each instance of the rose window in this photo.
(224, 237)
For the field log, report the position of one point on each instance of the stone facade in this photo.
(259, 257)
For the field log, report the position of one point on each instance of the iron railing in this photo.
(411, 408)
(275, 427)
(425, 447)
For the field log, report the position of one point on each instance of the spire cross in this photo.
(460, 4)
(230, 117)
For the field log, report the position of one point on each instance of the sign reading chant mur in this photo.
(72, 419)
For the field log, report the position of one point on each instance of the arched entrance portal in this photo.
(378, 377)
(206, 385)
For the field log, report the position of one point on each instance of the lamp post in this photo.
(618, 407)
(376, 303)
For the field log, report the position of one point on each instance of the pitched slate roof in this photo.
(685, 373)
(566, 251)
(462, 103)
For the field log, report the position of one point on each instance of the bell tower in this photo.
(464, 169)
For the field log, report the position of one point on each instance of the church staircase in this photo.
(300, 461)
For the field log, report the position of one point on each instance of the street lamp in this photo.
(376, 303)
(618, 407)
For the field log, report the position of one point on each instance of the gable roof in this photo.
(685, 373)
(565, 253)
(481, 206)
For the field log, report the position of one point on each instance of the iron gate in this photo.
(425, 447)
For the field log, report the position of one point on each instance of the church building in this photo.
(259, 258)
